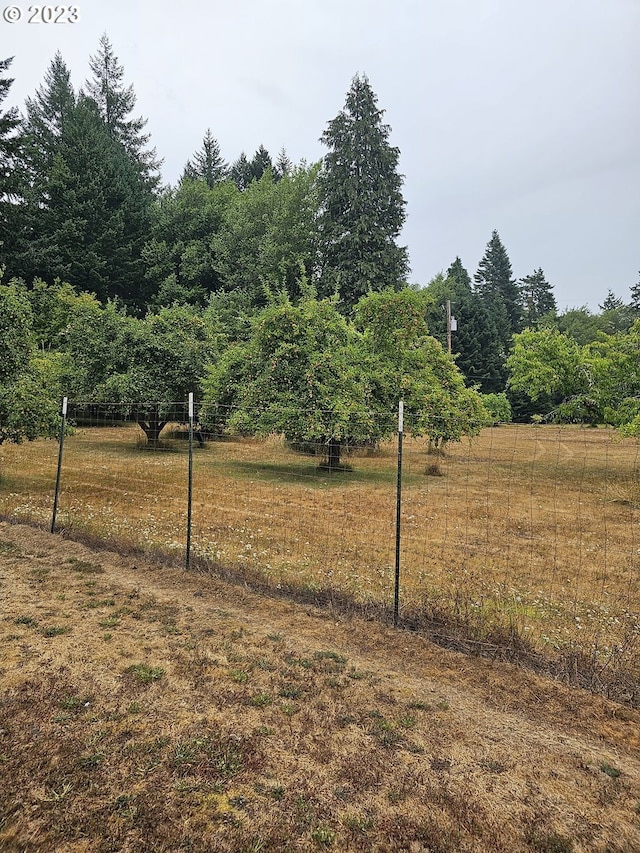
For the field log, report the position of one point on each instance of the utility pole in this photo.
(452, 325)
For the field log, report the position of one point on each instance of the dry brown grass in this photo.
(530, 533)
(146, 709)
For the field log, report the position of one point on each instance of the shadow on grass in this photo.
(311, 472)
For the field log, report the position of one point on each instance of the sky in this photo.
(521, 116)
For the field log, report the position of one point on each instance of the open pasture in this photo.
(527, 532)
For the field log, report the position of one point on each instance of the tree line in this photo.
(277, 291)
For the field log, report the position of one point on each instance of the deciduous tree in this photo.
(145, 367)
(28, 407)
(267, 241)
(180, 258)
(299, 375)
(404, 362)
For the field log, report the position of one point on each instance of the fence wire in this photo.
(527, 528)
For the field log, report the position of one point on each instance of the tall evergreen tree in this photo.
(635, 297)
(26, 253)
(475, 343)
(283, 165)
(207, 164)
(459, 274)
(46, 116)
(616, 316)
(9, 148)
(611, 302)
(537, 297)
(261, 163)
(97, 213)
(115, 103)
(498, 290)
(241, 172)
(9, 123)
(362, 205)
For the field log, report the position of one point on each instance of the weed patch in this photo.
(143, 673)
(84, 567)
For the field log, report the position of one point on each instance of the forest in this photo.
(277, 292)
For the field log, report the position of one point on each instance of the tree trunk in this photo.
(152, 427)
(333, 454)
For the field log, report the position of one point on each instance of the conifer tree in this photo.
(458, 273)
(207, 164)
(635, 297)
(25, 251)
(241, 172)
(537, 297)
(616, 316)
(95, 221)
(283, 165)
(475, 343)
(9, 148)
(362, 205)
(261, 163)
(9, 123)
(498, 290)
(611, 302)
(115, 103)
(46, 116)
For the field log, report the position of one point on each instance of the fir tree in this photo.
(9, 148)
(261, 163)
(475, 342)
(537, 298)
(362, 205)
(47, 114)
(612, 302)
(9, 123)
(635, 298)
(115, 103)
(241, 172)
(616, 316)
(283, 165)
(26, 253)
(459, 274)
(207, 164)
(97, 213)
(498, 290)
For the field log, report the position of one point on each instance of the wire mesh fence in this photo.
(523, 531)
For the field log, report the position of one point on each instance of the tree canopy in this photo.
(299, 374)
(28, 389)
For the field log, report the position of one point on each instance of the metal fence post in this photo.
(190, 483)
(63, 426)
(396, 597)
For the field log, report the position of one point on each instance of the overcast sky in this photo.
(516, 115)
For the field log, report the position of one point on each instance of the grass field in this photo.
(525, 536)
(148, 710)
